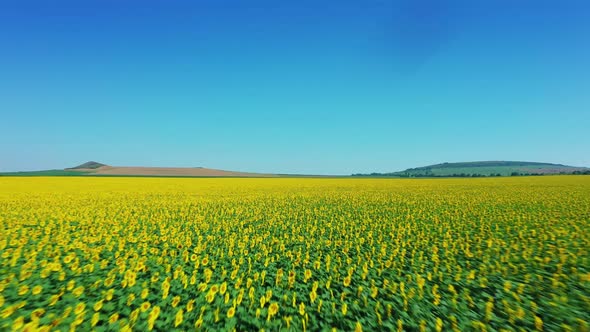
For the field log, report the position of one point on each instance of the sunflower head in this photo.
(178, 318)
(37, 290)
(231, 312)
(346, 281)
(98, 305)
(175, 301)
(114, 318)
(273, 308)
(79, 308)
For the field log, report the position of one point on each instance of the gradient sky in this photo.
(324, 87)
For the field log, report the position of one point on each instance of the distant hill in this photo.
(485, 168)
(92, 168)
(462, 169)
(88, 165)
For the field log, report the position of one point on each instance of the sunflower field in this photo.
(186, 254)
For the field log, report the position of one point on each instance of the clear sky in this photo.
(325, 87)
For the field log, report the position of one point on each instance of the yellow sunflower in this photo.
(18, 323)
(37, 290)
(114, 318)
(273, 309)
(175, 301)
(179, 317)
(231, 312)
(78, 291)
(79, 308)
(22, 290)
(94, 319)
(346, 281)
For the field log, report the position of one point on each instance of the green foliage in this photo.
(485, 168)
(52, 172)
(456, 254)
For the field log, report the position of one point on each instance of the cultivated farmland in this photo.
(507, 254)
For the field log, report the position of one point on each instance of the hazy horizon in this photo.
(336, 87)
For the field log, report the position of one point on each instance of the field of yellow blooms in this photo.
(490, 254)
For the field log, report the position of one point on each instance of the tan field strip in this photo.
(168, 171)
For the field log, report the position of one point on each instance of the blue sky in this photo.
(325, 87)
